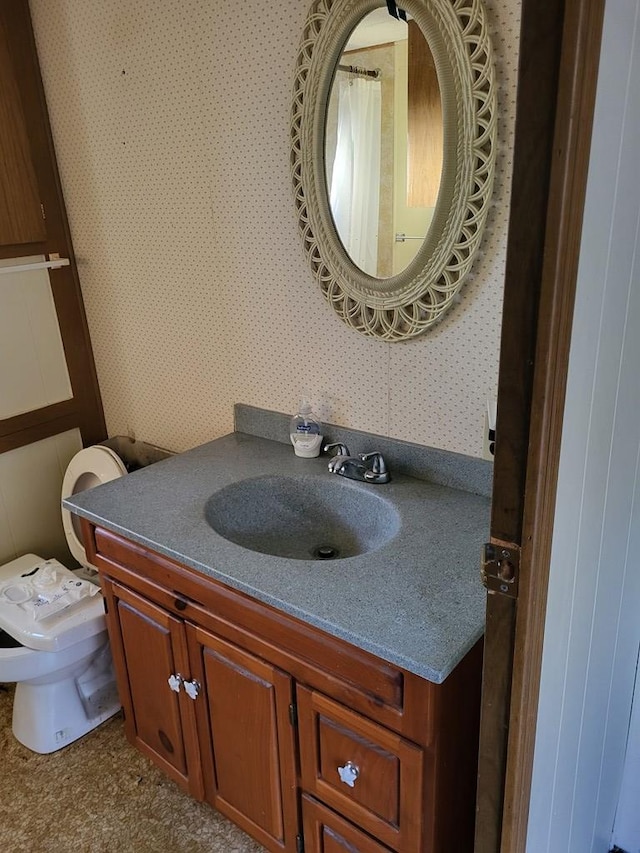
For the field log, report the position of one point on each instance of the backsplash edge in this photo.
(444, 467)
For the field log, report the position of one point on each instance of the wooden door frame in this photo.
(557, 76)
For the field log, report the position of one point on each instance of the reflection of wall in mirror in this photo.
(410, 219)
(424, 122)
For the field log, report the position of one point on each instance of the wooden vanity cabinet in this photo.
(385, 798)
(228, 737)
(326, 832)
(303, 740)
(148, 645)
(247, 740)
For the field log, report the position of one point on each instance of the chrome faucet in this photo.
(378, 471)
(366, 467)
(342, 454)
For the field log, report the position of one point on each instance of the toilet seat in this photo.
(76, 623)
(90, 467)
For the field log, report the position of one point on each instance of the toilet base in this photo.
(49, 716)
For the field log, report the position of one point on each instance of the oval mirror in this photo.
(393, 150)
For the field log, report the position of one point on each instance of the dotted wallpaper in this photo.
(171, 126)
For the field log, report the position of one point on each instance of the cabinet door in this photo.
(246, 723)
(365, 772)
(326, 832)
(149, 646)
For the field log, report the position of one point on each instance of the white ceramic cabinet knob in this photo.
(349, 773)
(192, 688)
(174, 682)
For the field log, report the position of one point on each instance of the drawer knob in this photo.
(349, 773)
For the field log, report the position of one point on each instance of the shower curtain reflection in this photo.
(355, 180)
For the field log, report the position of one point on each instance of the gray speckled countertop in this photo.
(417, 601)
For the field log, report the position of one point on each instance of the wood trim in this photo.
(65, 284)
(556, 86)
(576, 101)
(27, 420)
(18, 250)
(32, 432)
(88, 533)
(538, 71)
(494, 721)
(540, 46)
(21, 218)
(452, 778)
(115, 643)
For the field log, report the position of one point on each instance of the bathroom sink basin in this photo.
(303, 518)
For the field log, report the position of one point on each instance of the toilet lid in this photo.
(88, 468)
(64, 628)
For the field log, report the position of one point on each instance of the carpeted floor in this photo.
(99, 795)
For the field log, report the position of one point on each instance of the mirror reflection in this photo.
(384, 144)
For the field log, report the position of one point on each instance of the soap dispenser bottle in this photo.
(305, 432)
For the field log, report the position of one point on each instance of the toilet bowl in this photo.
(53, 637)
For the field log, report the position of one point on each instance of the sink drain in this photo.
(325, 552)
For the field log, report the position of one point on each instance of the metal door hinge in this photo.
(501, 567)
(299, 844)
(293, 714)
(42, 211)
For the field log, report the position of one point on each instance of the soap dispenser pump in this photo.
(305, 432)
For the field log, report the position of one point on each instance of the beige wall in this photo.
(30, 483)
(33, 374)
(171, 123)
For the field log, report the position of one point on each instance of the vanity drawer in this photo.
(327, 832)
(366, 772)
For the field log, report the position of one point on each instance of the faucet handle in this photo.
(378, 465)
(341, 449)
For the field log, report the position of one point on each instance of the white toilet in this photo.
(60, 660)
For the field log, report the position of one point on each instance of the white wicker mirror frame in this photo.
(406, 305)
